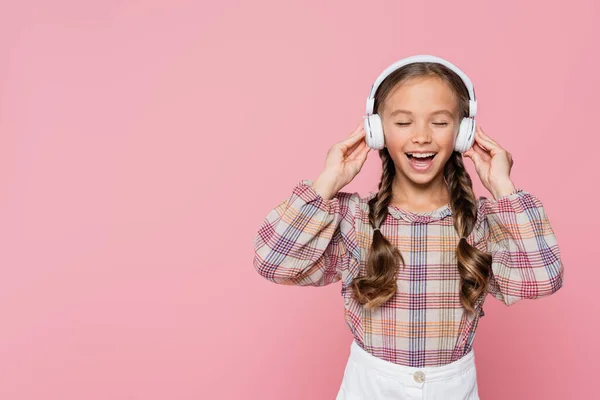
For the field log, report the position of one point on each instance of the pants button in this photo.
(419, 376)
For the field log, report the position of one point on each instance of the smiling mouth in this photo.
(415, 158)
(419, 163)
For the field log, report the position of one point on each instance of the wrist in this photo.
(503, 188)
(326, 185)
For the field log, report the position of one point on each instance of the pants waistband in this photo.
(406, 373)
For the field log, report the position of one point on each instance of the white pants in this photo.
(367, 377)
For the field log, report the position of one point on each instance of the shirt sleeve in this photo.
(526, 261)
(305, 239)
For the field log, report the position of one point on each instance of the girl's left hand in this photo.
(492, 163)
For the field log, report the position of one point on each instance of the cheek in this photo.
(446, 140)
(394, 139)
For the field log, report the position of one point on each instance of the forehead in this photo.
(421, 94)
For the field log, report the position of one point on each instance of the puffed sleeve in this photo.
(526, 261)
(306, 239)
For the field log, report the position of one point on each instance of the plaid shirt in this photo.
(307, 240)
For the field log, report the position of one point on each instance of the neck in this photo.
(420, 197)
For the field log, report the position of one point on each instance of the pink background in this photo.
(143, 143)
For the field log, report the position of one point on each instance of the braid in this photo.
(473, 264)
(379, 284)
(378, 212)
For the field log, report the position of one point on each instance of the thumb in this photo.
(475, 158)
(365, 154)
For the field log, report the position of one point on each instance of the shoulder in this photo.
(516, 201)
(354, 203)
(489, 209)
(345, 202)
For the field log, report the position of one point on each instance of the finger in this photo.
(485, 156)
(349, 151)
(360, 126)
(354, 138)
(366, 154)
(353, 134)
(474, 156)
(363, 153)
(482, 143)
(491, 148)
(480, 151)
(490, 143)
(482, 136)
(356, 148)
(486, 135)
(469, 152)
(474, 153)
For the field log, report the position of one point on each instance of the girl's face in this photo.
(420, 115)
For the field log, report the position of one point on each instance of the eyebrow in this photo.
(408, 112)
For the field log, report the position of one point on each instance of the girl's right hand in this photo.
(346, 158)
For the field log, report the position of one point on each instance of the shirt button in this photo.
(419, 376)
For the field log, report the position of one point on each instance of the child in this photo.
(417, 258)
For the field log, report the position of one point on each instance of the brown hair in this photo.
(379, 284)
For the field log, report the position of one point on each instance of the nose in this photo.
(422, 135)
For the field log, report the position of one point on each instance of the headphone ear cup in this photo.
(466, 135)
(374, 132)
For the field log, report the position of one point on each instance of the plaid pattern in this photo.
(309, 241)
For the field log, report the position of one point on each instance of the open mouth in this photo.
(421, 157)
(420, 162)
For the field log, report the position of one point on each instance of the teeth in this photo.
(421, 155)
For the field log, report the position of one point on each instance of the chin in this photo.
(421, 177)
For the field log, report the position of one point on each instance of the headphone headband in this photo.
(423, 58)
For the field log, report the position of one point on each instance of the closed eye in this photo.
(408, 123)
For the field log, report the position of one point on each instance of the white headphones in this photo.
(374, 128)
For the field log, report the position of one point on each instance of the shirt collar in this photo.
(421, 217)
